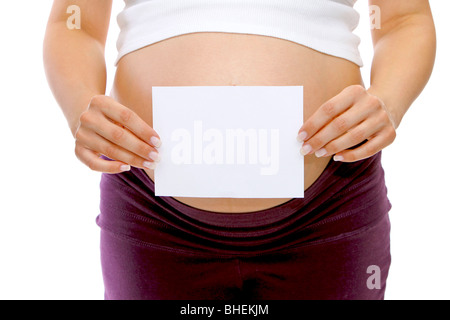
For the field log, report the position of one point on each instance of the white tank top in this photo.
(323, 25)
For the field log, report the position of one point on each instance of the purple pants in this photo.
(331, 244)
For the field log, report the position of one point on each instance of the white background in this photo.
(49, 242)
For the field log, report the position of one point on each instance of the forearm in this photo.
(75, 68)
(402, 64)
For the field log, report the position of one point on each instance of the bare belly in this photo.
(225, 59)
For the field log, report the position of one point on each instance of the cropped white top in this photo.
(324, 25)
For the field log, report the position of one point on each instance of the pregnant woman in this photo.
(331, 244)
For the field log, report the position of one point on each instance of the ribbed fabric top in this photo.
(323, 25)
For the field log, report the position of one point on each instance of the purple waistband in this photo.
(350, 195)
(335, 177)
(245, 219)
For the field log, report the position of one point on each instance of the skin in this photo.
(121, 128)
(356, 114)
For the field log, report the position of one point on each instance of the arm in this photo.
(404, 52)
(74, 59)
(75, 67)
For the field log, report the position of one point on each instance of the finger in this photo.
(349, 121)
(92, 160)
(124, 138)
(364, 151)
(94, 141)
(128, 118)
(352, 137)
(329, 110)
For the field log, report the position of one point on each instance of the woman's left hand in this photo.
(346, 120)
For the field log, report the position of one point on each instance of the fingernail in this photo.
(155, 156)
(125, 167)
(149, 165)
(338, 158)
(302, 136)
(321, 152)
(155, 141)
(305, 149)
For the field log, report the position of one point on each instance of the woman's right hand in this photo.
(109, 128)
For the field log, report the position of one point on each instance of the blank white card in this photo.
(229, 141)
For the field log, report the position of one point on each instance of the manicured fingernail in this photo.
(125, 167)
(302, 136)
(155, 156)
(338, 158)
(149, 165)
(155, 141)
(321, 152)
(305, 149)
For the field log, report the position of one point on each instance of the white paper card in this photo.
(229, 141)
